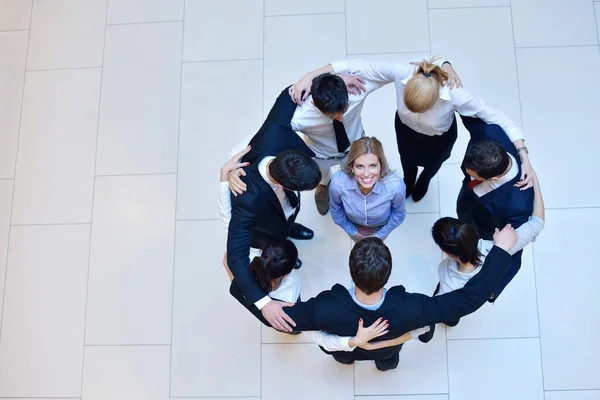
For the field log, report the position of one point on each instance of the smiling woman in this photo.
(365, 197)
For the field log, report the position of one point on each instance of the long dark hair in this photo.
(276, 260)
(458, 239)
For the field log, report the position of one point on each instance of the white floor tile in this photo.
(292, 7)
(415, 254)
(573, 395)
(207, 109)
(15, 14)
(450, 177)
(6, 191)
(490, 31)
(67, 34)
(139, 111)
(317, 40)
(215, 398)
(133, 11)
(237, 25)
(467, 3)
(579, 318)
(597, 8)
(41, 352)
(381, 26)
(131, 262)
(495, 369)
(560, 109)
(199, 369)
(416, 397)
(283, 364)
(422, 370)
(13, 47)
(57, 147)
(538, 23)
(126, 373)
(513, 315)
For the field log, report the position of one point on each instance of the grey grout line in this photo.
(262, 108)
(129, 345)
(400, 396)
(61, 69)
(596, 22)
(345, 29)
(144, 23)
(572, 390)
(12, 201)
(389, 52)
(224, 60)
(512, 25)
(135, 174)
(555, 46)
(87, 287)
(464, 8)
(13, 30)
(300, 15)
(428, 26)
(498, 338)
(214, 397)
(7, 179)
(537, 309)
(55, 224)
(176, 192)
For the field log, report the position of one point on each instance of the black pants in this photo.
(385, 364)
(417, 149)
(426, 337)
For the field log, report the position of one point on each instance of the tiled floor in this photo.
(115, 116)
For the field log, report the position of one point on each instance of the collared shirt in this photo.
(451, 278)
(318, 128)
(383, 207)
(438, 119)
(288, 210)
(488, 185)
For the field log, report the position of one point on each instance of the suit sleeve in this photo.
(304, 313)
(239, 240)
(454, 305)
(283, 110)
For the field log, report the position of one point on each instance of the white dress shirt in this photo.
(288, 210)
(319, 128)
(438, 119)
(488, 185)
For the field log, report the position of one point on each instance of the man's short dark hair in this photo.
(370, 264)
(488, 159)
(295, 170)
(329, 94)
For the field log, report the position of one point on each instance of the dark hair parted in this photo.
(329, 94)
(457, 239)
(295, 170)
(488, 159)
(276, 260)
(370, 264)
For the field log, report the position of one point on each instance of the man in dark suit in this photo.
(338, 310)
(490, 196)
(280, 167)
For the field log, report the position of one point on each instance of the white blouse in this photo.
(437, 120)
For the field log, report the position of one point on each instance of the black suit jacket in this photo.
(256, 216)
(335, 311)
(504, 205)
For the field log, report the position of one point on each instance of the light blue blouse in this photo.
(383, 207)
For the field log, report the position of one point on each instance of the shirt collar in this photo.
(510, 175)
(444, 91)
(262, 169)
(352, 184)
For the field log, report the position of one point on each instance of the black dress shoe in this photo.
(300, 232)
(427, 336)
(298, 264)
(420, 188)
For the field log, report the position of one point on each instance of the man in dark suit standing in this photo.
(491, 196)
(280, 168)
(338, 310)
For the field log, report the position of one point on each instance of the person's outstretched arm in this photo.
(331, 342)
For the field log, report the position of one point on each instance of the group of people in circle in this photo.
(500, 206)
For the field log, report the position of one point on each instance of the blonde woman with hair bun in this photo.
(425, 123)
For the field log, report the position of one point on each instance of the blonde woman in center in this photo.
(365, 197)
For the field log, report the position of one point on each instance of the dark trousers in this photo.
(417, 149)
(385, 364)
(426, 337)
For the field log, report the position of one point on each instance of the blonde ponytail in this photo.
(422, 91)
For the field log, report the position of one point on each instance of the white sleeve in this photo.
(527, 233)
(380, 72)
(224, 203)
(469, 105)
(331, 342)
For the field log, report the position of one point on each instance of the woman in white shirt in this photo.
(465, 252)
(425, 122)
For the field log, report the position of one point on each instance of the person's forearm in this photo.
(319, 71)
(538, 201)
(386, 343)
(520, 144)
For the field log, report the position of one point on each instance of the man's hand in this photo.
(354, 84)
(453, 78)
(505, 238)
(363, 335)
(300, 90)
(527, 175)
(274, 314)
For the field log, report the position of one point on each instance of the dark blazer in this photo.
(504, 205)
(256, 216)
(335, 311)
